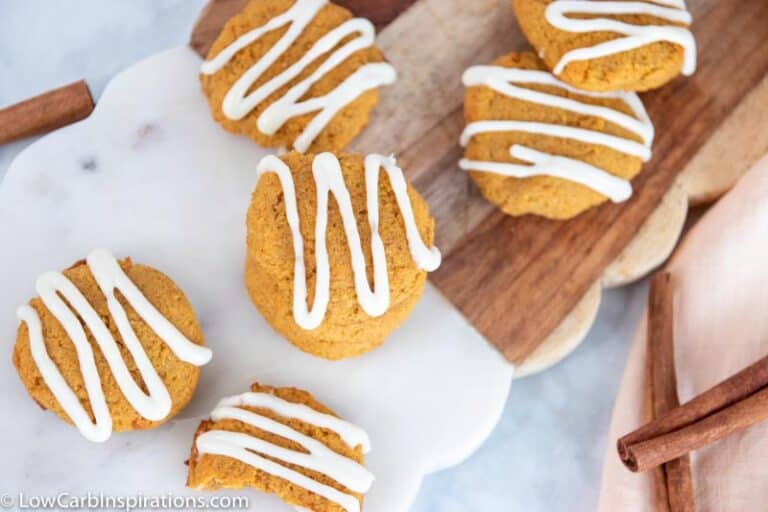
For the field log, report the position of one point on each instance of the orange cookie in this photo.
(295, 74)
(282, 441)
(537, 145)
(610, 45)
(109, 345)
(337, 255)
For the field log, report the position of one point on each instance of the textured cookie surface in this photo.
(180, 378)
(345, 125)
(639, 69)
(212, 471)
(547, 196)
(346, 330)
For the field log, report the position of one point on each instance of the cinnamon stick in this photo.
(658, 450)
(657, 474)
(46, 112)
(747, 382)
(673, 480)
(733, 405)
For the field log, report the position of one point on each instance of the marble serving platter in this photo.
(149, 175)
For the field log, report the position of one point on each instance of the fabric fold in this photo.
(721, 326)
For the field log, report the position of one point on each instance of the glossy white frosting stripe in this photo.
(616, 189)
(238, 101)
(627, 146)
(155, 405)
(349, 433)
(635, 35)
(501, 80)
(329, 179)
(249, 449)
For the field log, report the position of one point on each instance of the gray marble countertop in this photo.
(546, 453)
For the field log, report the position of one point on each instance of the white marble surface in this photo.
(545, 454)
(150, 175)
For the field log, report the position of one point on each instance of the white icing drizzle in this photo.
(329, 179)
(635, 35)
(52, 287)
(501, 80)
(238, 102)
(349, 433)
(249, 449)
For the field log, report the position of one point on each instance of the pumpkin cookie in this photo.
(334, 275)
(297, 74)
(537, 145)
(282, 441)
(108, 346)
(610, 45)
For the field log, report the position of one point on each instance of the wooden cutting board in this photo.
(516, 279)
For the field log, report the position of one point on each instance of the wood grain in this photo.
(431, 45)
(420, 117)
(675, 475)
(515, 279)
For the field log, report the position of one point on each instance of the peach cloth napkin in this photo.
(721, 326)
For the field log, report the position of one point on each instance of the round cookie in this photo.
(590, 45)
(581, 155)
(284, 442)
(316, 104)
(342, 325)
(47, 353)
